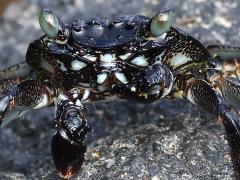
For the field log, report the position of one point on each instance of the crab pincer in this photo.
(68, 156)
(68, 146)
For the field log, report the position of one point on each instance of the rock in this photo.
(163, 140)
(159, 152)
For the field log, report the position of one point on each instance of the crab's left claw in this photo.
(68, 157)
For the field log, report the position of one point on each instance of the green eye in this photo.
(161, 22)
(49, 23)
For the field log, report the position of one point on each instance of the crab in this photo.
(129, 57)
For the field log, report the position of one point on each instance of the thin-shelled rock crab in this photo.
(129, 57)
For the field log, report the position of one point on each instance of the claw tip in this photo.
(68, 173)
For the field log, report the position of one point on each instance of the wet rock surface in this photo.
(164, 140)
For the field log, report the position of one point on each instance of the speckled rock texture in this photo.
(170, 139)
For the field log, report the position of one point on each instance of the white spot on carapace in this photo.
(62, 67)
(77, 65)
(133, 89)
(121, 77)
(90, 58)
(78, 102)
(43, 102)
(140, 61)
(86, 95)
(125, 56)
(75, 96)
(107, 58)
(101, 78)
(159, 57)
(179, 59)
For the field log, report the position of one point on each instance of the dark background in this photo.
(170, 139)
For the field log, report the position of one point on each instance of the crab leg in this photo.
(226, 85)
(230, 88)
(200, 93)
(27, 94)
(224, 51)
(68, 146)
(20, 70)
(225, 76)
(14, 75)
(7, 83)
(226, 59)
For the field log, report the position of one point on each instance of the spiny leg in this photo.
(7, 83)
(226, 59)
(201, 93)
(230, 89)
(68, 146)
(14, 75)
(27, 94)
(226, 85)
(225, 75)
(21, 70)
(224, 51)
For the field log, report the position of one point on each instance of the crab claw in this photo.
(67, 156)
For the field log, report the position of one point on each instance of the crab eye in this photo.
(161, 22)
(49, 23)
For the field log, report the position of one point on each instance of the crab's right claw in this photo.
(68, 157)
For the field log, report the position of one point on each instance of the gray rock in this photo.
(163, 140)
